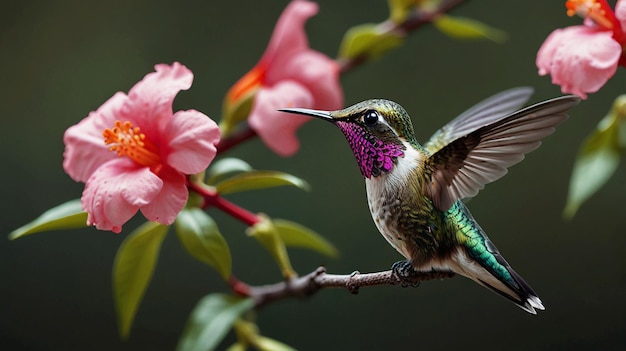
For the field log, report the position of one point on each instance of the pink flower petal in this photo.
(276, 129)
(289, 36)
(115, 192)
(85, 150)
(294, 75)
(547, 51)
(154, 94)
(117, 186)
(170, 200)
(192, 138)
(580, 59)
(319, 74)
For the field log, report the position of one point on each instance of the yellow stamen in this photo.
(126, 140)
(589, 9)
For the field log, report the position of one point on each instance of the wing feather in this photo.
(462, 166)
(481, 114)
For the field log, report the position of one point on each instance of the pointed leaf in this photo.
(225, 167)
(69, 215)
(267, 234)
(264, 343)
(368, 41)
(200, 236)
(596, 162)
(254, 180)
(467, 28)
(296, 235)
(211, 320)
(133, 268)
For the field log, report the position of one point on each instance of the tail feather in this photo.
(477, 258)
(516, 290)
(529, 294)
(524, 300)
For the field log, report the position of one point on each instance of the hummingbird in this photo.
(415, 192)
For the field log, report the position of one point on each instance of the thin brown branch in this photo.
(319, 279)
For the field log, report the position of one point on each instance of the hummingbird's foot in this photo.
(409, 276)
(406, 273)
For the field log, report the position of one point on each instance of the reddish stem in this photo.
(233, 210)
(213, 199)
(242, 134)
(238, 287)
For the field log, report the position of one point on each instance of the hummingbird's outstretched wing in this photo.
(481, 152)
(485, 112)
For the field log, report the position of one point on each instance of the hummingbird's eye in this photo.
(370, 118)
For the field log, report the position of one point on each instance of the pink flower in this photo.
(133, 152)
(289, 74)
(581, 59)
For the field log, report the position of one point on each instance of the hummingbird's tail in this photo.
(478, 259)
(506, 283)
(509, 285)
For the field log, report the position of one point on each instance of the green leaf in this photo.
(133, 269)
(68, 215)
(211, 320)
(596, 162)
(400, 9)
(618, 111)
(296, 235)
(248, 334)
(254, 180)
(200, 236)
(264, 343)
(226, 167)
(237, 111)
(267, 234)
(237, 347)
(467, 28)
(368, 41)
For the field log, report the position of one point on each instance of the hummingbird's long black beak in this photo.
(325, 115)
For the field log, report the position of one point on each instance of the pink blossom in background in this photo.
(289, 74)
(581, 59)
(133, 152)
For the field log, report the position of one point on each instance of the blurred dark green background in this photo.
(62, 59)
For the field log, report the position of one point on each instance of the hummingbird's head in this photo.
(377, 131)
